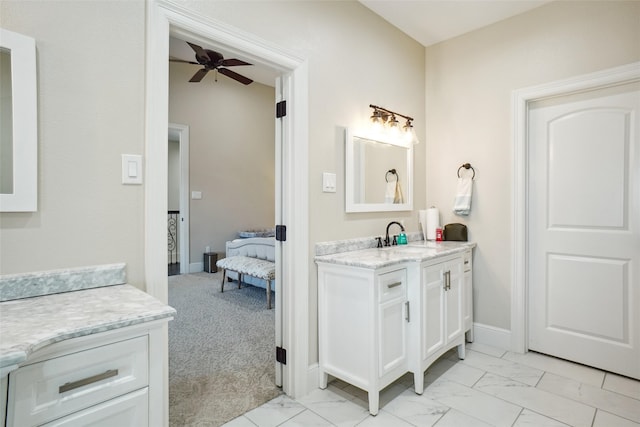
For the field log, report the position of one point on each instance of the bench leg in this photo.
(239, 279)
(269, 294)
(224, 273)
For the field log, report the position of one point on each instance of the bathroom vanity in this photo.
(81, 348)
(383, 312)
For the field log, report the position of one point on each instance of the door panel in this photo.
(574, 283)
(587, 169)
(433, 310)
(584, 228)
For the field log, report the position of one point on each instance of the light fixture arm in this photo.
(375, 107)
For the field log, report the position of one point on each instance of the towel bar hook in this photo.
(467, 166)
(393, 172)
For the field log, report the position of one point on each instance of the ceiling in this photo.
(426, 21)
(432, 21)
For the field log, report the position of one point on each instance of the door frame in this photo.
(520, 100)
(184, 238)
(165, 18)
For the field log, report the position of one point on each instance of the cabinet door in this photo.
(433, 337)
(454, 298)
(393, 335)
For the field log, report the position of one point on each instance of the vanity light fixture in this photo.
(384, 121)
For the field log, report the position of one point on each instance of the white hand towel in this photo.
(462, 202)
(390, 192)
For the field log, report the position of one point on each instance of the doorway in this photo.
(178, 200)
(573, 294)
(292, 257)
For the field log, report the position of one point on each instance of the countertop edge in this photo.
(349, 258)
(12, 361)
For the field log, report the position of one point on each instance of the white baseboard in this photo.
(196, 267)
(490, 335)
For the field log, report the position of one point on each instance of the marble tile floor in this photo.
(490, 387)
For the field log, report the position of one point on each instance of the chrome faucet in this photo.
(386, 239)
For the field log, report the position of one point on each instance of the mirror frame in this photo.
(25, 123)
(350, 205)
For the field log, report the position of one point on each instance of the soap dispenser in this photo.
(402, 238)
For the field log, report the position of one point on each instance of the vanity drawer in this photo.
(59, 386)
(392, 285)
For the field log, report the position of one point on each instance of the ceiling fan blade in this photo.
(200, 52)
(199, 75)
(182, 60)
(233, 62)
(242, 79)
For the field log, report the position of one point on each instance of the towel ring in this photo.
(467, 166)
(393, 172)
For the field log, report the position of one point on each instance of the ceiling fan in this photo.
(212, 60)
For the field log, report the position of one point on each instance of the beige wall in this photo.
(90, 59)
(468, 101)
(232, 155)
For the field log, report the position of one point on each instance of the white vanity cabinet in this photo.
(111, 378)
(377, 322)
(363, 317)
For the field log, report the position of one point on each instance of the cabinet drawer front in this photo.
(392, 285)
(131, 410)
(62, 385)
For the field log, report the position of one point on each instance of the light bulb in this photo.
(410, 133)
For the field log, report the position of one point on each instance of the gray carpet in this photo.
(221, 350)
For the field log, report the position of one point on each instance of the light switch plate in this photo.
(328, 182)
(131, 169)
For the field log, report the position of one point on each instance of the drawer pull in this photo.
(394, 284)
(466, 262)
(86, 381)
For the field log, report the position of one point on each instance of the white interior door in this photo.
(584, 228)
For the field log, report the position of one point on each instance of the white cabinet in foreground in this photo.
(106, 379)
(375, 325)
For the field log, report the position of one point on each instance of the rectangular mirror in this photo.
(18, 123)
(378, 175)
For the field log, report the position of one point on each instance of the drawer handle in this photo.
(86, 381)
(466, 262)
(394, 284)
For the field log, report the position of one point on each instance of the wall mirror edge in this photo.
(354, 176)
(24, 135)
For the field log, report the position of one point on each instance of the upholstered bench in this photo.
(244, 265)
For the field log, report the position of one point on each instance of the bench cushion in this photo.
(251, 266)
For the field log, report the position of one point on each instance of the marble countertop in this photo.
(382, 257)
(29, 324)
